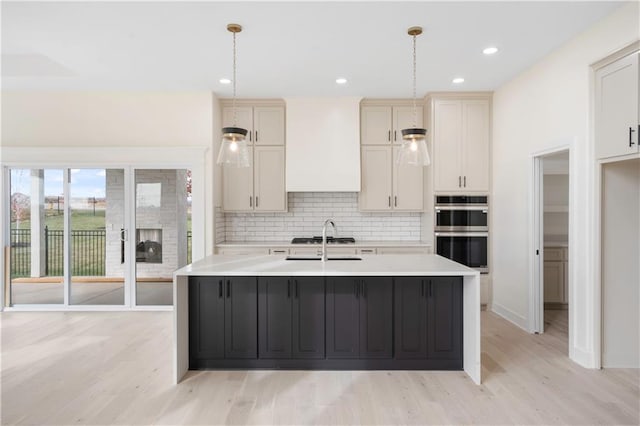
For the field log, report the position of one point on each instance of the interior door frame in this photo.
(191, 158)
(536, 234)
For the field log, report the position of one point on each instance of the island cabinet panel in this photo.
(291, 317)
(308, 317)
(343, 319)
(274, 307)
(359, 317)
(376, 317)
(444, 318)
(206, 319)
(241, 318)
(410, 318)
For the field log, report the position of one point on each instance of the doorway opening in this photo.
(551, 282)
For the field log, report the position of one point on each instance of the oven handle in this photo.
(462, 234)
(484, 209)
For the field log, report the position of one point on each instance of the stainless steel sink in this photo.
(318, 258)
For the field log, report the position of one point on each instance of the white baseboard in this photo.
(510, 316)
(582, 357)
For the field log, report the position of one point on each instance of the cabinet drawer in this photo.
(367, 250)
(279, 251)
(403, 250)
(242, 251)
(554, 254)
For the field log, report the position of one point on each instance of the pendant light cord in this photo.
(415, 114)
(234, 82)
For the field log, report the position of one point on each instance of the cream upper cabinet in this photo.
(268, 179)
(408, 192)
(387, 185)
(237, 187)
(264, 124)
(461, 133)
(617, 120)
(268, 125)
(376, 192)
(382, 125)
(260, 187)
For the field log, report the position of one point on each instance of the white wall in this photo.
(118, 128)
(544, 107)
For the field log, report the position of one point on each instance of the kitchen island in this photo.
(380, 312)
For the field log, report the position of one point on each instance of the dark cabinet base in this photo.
(327, 364)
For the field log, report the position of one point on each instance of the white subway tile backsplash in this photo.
(307, 212)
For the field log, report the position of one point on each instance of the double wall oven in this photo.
(462, 229)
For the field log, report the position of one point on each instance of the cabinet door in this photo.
(268, 124)
(206, 319)
(554, 282)
(375, 125)
(410, 318)
(342, 316)
(444, 318)
(376, 178)
(616, 108)
(244, 119)
(308, 317)
(241, 318)
(403, 119)
(408, 189)
(274, 309)
(475, 147)
(268, 175)
(376, 317)
(237, 187)
(447, 145)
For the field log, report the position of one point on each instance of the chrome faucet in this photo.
(324, 237)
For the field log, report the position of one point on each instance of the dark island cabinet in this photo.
(291, 317)
(223, 318)
(412, 323)
(359, 317)
(428, 318)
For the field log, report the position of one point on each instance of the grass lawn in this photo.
(80, 220)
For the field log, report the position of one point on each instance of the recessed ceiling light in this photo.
(458, 80)
(341, 80)
(225, 81)
(490, 50)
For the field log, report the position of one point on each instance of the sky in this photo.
(84, 182)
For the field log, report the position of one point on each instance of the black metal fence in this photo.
(88, 251)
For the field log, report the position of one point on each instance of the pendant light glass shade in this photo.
(234, 151)
(414, 150)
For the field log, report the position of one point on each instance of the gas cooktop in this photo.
(318, 240)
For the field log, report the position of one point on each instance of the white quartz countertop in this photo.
(261, 244)
(370, 265)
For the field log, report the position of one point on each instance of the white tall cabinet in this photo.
(616, 107)
(386, 185)
(260, 187)
(461, 134)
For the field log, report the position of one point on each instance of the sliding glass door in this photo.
(97, 237)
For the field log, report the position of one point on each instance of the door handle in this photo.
(465, 183)
(395, 201)
(395, 135)
(631, 130)
(256, 136)
(459, 181)
(220, 289)
(389, 200)
(250, 201)
(389, 135)
(228, 289)
(249, 136)
(256, 201)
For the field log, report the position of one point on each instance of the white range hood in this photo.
(323, 144)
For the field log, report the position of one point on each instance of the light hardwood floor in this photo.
(116, 368)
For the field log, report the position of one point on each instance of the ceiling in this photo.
(285, 49)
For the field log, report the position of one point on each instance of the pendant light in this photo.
(414, 147)
(234, 151)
